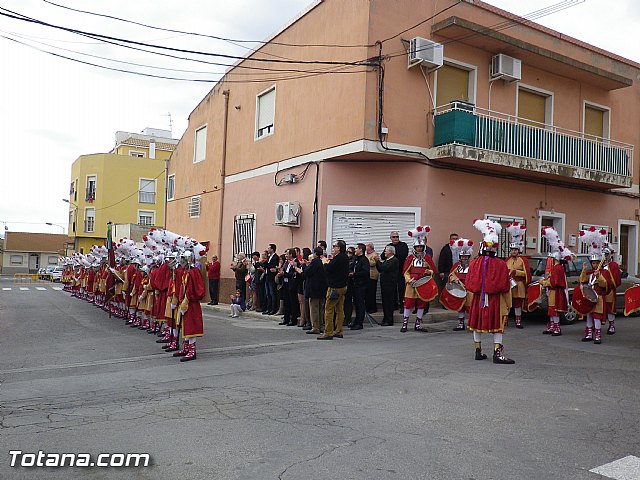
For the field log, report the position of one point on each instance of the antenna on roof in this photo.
(170, 122)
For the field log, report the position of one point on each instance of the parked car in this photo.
(41, 272)
(573, 269)
(56, 273)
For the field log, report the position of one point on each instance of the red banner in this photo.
(632, 300)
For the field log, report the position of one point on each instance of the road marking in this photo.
(57, 288)
(627, 468)
(24, 288)
(6, 289)
(40, 288)
(150, 357)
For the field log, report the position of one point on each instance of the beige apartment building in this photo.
(411, 112)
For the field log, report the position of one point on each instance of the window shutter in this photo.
(193, 209)
(266, 109)
(201, 144)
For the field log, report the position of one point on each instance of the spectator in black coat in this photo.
(271, 291)
(446, 260)
(337, 269)
(360, 275)
(402, 252)
(315, 289)
(388, 269)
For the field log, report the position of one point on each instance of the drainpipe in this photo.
(223, 170)
(166, 185)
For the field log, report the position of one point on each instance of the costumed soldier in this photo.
(419, 265)
(174, 295)
(598, 279)
(556, 281)
(189, 309)
(616, 278)
(489, 280)
(519, 271)
(463, 249)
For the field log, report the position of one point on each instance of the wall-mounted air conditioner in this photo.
(506, 67)
(288, 214)
(425, 52)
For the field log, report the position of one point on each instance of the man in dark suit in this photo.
(388, 269)
(402, 252)
(446, 260)
(270, 281)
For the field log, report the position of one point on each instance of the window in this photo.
(171, 187)
(455, 81)
(535, 107)
(244, 233)
(504, 250)
(91, 188)
(596, 122)
(89, 219)
(16, 260)
(584, 248)
(147, 192)
(52, 260)
(265, 113)
(200, 148)
(146, 218)
(193, 209)
(75, 191)
(134, 153)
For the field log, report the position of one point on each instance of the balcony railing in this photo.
(465, 124)
(146, 197)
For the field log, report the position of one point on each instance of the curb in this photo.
(436, 315)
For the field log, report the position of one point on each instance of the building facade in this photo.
(126, 185)
(411, 112)
(26, 252)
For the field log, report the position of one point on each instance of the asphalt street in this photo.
(264, 401)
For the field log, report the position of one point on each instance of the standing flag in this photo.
(112, 255)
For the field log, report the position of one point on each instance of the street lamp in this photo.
(55, 225)
(75, 224)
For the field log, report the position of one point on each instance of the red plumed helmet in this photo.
(419, 228)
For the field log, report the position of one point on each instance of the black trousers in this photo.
(372, 287)
(242, 286)
(389, 293)
(291, 304)
(348, 303)
(359, 301)
(214, 286)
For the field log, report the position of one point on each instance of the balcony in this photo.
(467, 135)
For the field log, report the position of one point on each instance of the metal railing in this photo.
(512, 135)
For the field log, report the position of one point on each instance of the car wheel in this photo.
(569, 318)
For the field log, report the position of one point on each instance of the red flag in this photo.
(632, 300)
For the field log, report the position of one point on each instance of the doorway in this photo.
(628, 246)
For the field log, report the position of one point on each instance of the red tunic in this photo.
(160, 283)
(487, 279)
(616, 280)
(193, 292)
(90, 279)
(557, 292)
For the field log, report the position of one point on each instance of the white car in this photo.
(56, 273)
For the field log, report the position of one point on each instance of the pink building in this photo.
(410, 112)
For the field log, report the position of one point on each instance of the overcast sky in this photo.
(53, 110)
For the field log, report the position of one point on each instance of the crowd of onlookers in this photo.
(301, 285)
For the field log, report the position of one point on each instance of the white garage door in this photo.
(363, 227)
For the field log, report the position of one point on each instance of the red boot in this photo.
(588, 334)
(166, 338)
(597, 337)
(519, 322)
(549, 329)
(556, 330)
(172, 346)
(191, 355)
(184, 351)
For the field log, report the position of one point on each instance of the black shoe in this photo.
(266, 312)
(214, 303)
(311, 332)
(480, 355)
(284, 322)
(210, 303)
(458, 328)
(386, 324)
(355, 327)
(306, 327)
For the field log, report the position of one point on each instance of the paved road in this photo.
(264, 401)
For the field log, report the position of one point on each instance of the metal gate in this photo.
(244, 233)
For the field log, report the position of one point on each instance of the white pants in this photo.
(235, 310)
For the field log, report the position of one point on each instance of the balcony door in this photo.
(455, 81)
(549, 219)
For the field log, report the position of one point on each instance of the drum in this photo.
(535, 294)
(453, 296)
(426, 288)
(580, 302)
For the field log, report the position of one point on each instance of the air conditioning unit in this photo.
(287, 213)
(506, 67)
(425, 52)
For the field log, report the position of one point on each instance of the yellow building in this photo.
(126, 185)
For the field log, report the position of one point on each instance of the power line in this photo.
(214, 37)
(24, 18)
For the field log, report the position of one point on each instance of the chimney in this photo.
(152, 148)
